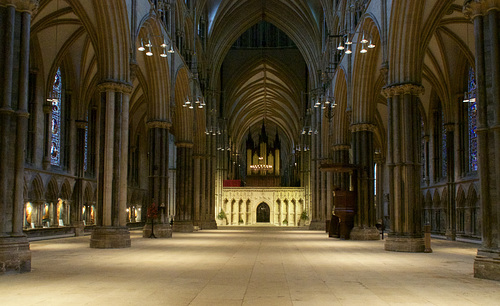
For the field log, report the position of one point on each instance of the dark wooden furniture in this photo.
(344, 201)
(345, 209)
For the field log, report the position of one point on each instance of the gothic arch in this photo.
(366, 87)
(460, 197)
(257, 84)
(234, 18)
(472, 199)
(341, 135)
(155, 76)
(183, 116)
(66, 191)
(52, 191)
(88, 195)
(36, 189)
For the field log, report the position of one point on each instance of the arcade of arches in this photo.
(196, 113)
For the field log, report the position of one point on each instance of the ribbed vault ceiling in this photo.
(264, 91)
(264, 86)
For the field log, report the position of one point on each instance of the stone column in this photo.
(197, 190)
(38, 209)
(485, 15)
(451, 219)
(211, 180)
(364, 222)
(111, 221)
(324, 211)
(288, 213)
(404, 168)
(243, 211)
(184, 193)
(314, 177)
(379, 200)
(54, 219)
(236, 220)
(329, 195)
(76, 213)
(15, 256)
(203, 192)
(158, 176)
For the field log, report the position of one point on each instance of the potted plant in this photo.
(152, 215)
(304, 217)
(222, 215)
(285, 222)
(240, 221)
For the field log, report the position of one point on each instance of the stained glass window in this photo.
(444, 156)
(55, 149)
(422, 147)
(85, 151)
(472, 121)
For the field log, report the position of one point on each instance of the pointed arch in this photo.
(366, 67)
(183, 116)
(66, 190)
(52, 191)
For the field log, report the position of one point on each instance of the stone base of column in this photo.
(208, 225)
(107, 237)
(161, 230)
(183, 227)
(404, 244)
(487, 264)
(451, 235)
(79, 227)
(369, 233)
(15, 255)
(317, 225)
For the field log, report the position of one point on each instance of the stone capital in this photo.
(116, 86)
(403, 89)
(184, 144)
(47, 108)
(5, 110)
(360, 127)
(449, 127)
(158, 124)
(341, 147)
(475, 8)
(29, 6)
(81, 124)
(23, 114)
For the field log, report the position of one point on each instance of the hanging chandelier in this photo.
(149, 45)
(260, 167)
(346, 45)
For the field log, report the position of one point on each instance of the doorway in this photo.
(263, 213)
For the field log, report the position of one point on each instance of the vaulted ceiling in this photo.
(269, 83)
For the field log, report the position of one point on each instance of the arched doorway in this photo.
(263, 213)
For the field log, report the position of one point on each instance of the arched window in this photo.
(468, 124)
(423, 142)
(89, 162)
(86, 146)
(55, 149)
(472, 121)
(444, 156)
(439, 147)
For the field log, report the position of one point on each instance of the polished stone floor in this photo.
(258, 266)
